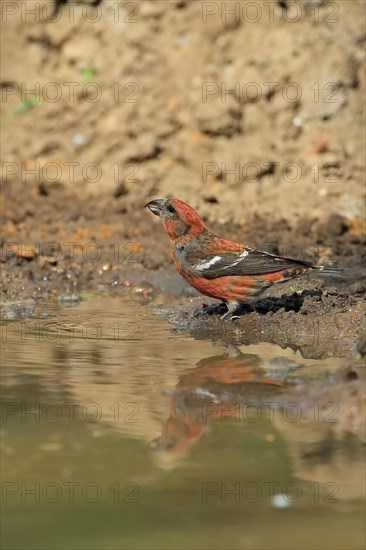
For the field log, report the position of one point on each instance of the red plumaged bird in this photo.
(231, 272)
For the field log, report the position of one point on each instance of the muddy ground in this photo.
(60, 253)
(279, 166)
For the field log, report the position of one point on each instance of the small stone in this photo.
(78, 139)
(143, 290)
(280, 501)
(69, 300)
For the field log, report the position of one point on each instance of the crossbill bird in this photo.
(231, 272)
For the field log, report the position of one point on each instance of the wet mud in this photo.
(162, 135)
(60, 247)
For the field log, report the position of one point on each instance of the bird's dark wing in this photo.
(248, 261)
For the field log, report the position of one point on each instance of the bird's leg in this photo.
(212, 308)
(232, 351)
(231, 308)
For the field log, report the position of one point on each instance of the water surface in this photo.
(119, 433)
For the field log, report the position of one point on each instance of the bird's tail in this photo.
(329, 271)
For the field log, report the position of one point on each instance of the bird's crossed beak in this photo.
(156, 206)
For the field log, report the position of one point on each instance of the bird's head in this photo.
(179, 219)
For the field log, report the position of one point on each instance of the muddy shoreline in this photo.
(60, 246)
(278, 163)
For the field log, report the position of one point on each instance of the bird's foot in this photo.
(234, 307)
(231, 308)
(228, 317)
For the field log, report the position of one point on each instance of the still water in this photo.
(119, 433)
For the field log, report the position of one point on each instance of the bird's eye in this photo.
(171, 209)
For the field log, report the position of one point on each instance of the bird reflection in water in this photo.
(220, 387)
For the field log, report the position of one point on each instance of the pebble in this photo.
(279, 501)
(69, 300)
(78, 139)
(144, 290)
